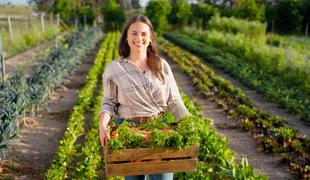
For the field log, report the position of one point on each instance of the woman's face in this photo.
(138, 36)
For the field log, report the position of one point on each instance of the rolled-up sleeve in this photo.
(175, 103)
(109, 99)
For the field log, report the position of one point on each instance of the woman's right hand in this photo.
(104, 133)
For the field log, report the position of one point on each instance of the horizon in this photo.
(25, 2)
(15, 2)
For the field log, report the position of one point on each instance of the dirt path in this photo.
(27, 59)
(240, 142)
(40, 135)
(264, 105)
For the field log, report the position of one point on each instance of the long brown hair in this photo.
(153, 60)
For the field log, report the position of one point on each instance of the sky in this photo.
(15, 2)
(25, 2)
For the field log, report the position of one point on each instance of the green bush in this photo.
(202, 13)
(64, 8)
(248, 9)
(305, 12)
(113, 15)
(286, 15)
(88, 13)
(252, 29)
(180, 13)
(157, 11)
(289, 17)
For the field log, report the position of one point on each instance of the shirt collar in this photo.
(123, 59)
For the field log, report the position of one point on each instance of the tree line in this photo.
(282, 16)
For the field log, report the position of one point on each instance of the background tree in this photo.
(202, 13)
(157, 11)
(64, 8)
(113, 15)
(180, 13)
(249, 9)
(86, 11)
(125, 4)
(135, 4)
(288, 16)
(305, 12)
(42, 5)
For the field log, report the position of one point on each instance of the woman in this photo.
(140, 85)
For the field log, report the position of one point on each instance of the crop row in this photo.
(75, 126)
(21, 92)
(91, 159)
(270, 132)
(286, 83)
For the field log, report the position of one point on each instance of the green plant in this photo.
(113, 15)
(64, 8)
(180, 13)
(157, 11)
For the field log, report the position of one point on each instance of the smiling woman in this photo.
(140, 85)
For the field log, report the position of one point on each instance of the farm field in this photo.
(213, 108)
(244, 81)
(15, 10)
(24, 30)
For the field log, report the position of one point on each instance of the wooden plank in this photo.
(152, 153)
(128, 169)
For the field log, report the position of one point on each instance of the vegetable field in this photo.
(243, 75)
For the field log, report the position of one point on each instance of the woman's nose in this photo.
(140, 37)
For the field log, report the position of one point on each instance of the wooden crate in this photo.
(151, 161)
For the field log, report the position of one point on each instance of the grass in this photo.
(26, 34)
(15, 10)
(27, 30)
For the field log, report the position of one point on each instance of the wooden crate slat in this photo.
(140, 168)
(152, 153)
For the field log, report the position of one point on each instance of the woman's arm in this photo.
(109, 103)
(104, 133)
(175, 103)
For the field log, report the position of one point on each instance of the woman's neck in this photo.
(138, 57)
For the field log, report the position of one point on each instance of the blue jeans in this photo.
(165, 176)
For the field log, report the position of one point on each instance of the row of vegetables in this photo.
(270, 132)
(280, 74)
(68, 148)
(21, 92)
(91, 157)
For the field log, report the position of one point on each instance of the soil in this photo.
(41, 131)
(27, 59)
